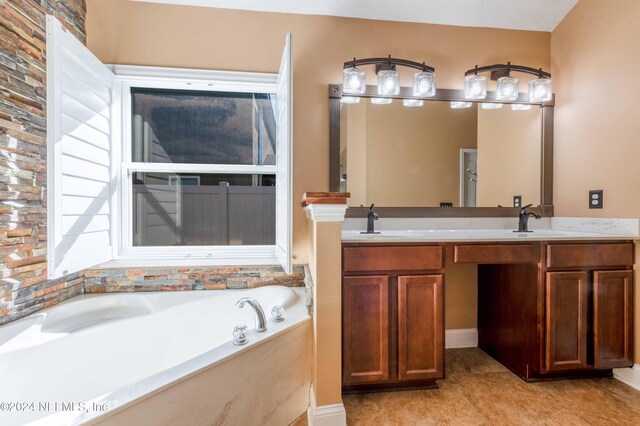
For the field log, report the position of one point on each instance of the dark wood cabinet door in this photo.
(365, 329)
(420, 327)
(566, 321)
(613, 319)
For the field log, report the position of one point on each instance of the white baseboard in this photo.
(629, 376)
(325, 415)
(461, 338)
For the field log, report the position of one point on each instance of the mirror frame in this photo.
(546, 164)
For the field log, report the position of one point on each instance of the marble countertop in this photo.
(477, 235)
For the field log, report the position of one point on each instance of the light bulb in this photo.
(350, 100)
(412, 103)
(520, 107)
(460, 105)
(424, 84)
(540, 90)
(507, 89)
(475, 87)
(489, 105)
(381, 101)
(388, 82)
(353, 81)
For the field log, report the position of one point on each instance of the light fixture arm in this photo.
(389, 61)
(507, 68)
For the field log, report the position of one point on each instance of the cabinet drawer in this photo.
(589, 255)
(497, 253)
(395, 258)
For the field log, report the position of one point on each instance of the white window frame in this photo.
(125, 253)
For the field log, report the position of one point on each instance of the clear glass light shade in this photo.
(350, 100)
(460, 105)
(353, 81)
(424, 84)
(412, 103)
(388, 83)
(381, 101)
(490, 105)
(540, 90)
(507, 89)
(520, 107)
(475, 87)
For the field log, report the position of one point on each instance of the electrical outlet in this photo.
(596, 199)
(517, 201)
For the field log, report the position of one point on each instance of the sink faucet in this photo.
(523, 219)
(261, 321)
(371, 217)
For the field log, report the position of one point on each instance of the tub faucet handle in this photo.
(240, 335)
(277, 313)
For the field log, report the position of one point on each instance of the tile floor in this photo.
(480, 391)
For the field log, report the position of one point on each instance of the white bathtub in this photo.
(157, 358)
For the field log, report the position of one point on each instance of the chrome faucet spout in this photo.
(261, 320)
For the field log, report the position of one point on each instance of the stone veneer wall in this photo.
(177, 279)
(24, 287)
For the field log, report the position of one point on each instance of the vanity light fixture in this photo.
(350, 100)
(353, 81)
(460, 105)
(354, 78)
(424, 84)
(388, 82)
(490, 105)
(520, 107)
(413, 103)
(540, 90)
(381, 101)
(475, 86)
(507, 88)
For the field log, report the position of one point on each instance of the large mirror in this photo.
(438, 156)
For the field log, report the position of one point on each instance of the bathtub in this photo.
(157, 358)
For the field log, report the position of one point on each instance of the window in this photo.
(203, 130)
(152, 166)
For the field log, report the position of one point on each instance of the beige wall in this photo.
(461, 296)
(127, 32)
(595, 76)
(508, 156)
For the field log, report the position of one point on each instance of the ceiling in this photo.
(537, 15)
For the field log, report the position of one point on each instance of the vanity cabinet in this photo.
(420, 327)
(589, 310)
(545, 309)
(365, 329)
(392, 322)
(566, 325)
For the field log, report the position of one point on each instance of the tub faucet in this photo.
(523, 219)
(261, 321)
(371, 217)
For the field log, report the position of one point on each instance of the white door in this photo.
(468, 177)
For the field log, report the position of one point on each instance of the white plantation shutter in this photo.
(284, 178)
(79, 142)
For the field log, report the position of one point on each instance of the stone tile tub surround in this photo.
(180, 279)
(34, 297)
(24, 287)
